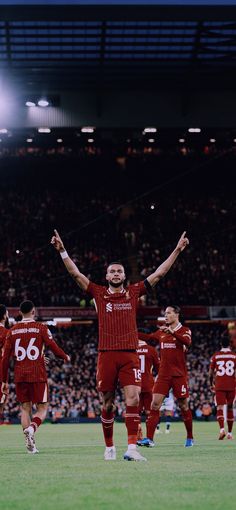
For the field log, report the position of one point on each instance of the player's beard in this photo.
(116, 284)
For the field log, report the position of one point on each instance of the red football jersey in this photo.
(26, 341)
(223, 363)
(117, 315)
(149, 359)
(3, 335)
(173, 348)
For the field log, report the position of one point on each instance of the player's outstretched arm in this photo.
(52, 345)
(71, 267)
(166, 265)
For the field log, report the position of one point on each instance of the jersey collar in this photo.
(179, 325)
(225, 349)
(113, 292)
(27, 320)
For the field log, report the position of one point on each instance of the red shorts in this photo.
(3, 396)
(177, 383)
(145, 400)
(35, 392)
(224, 397)
(114, 366)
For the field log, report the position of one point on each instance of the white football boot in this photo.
(29, 440)
(134, 455)
(110, 453)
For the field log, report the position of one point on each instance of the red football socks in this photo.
(107, 419)
(36, 422)
(152, 422)
(132, 420)
(230, 419)
(220, 418)
(188, 422)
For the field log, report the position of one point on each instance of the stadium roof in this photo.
(87, 47)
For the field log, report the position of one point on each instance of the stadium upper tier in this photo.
(105, 212)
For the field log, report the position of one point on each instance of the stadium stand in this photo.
(116, 223)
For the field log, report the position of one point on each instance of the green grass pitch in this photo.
(70, 473)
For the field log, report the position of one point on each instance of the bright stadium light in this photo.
(3, 131)
(234, 140)
(152, 206)
(151, 140)
(212, 140)
(194, 130)
(150, 130)
(90, 140)
(43, 103)
(181, 140)
(29, 103)
(87, 129)
(44, 130)
(59, 140)
(29, 140)
(17, 252)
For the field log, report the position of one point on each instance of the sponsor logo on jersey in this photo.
(109, 307)
(165, 345)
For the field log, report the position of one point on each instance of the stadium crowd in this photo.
(73, 392)
(97, 232)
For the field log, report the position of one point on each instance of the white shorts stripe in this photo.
(45, 395)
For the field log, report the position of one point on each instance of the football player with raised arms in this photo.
(118, 340)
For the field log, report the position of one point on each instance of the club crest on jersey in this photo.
(109, 307)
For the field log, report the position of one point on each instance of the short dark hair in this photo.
(176, 308)
(26, 307)
(116, 262)
(3, 311)
(225, 341)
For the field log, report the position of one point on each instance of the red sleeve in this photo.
(184, 336)
(52, 345)
(6, 357)
(94, 289)
(149, 336)
(141, 288)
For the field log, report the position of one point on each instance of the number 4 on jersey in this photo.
(32, 351)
